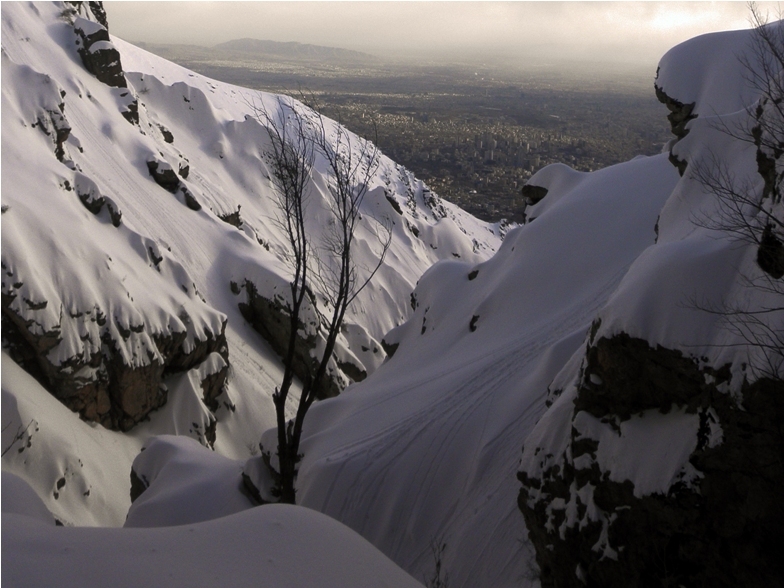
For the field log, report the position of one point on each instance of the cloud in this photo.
(597, 30)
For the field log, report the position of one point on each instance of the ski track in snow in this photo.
(482, 378)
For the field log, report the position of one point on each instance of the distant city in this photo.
(474, 135)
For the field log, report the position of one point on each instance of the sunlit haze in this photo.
(632, 32)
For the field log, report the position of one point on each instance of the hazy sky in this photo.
(605, 31)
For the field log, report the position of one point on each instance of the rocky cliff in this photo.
(660, 459)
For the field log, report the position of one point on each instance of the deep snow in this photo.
(426, 449)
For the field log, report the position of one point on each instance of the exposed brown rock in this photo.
(270, 318)
(101, 387)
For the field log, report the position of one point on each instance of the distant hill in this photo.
(292, 50)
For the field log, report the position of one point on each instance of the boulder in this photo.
(99, 55)
(164, 175)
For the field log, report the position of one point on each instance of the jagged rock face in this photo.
(720, 520)
(101, 386)
(98, 54)
(680, 113)
(270, 318)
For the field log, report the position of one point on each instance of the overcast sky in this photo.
(604, 31)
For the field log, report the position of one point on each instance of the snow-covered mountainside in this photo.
(627, 337)
(141, 247)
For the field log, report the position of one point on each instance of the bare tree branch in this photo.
(297, 136)
(749, 210)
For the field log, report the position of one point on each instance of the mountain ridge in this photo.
(294, 49)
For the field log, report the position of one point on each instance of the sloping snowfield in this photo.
(423, 452)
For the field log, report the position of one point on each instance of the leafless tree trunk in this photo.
(298, 137)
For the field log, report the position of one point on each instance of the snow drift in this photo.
(596, 337)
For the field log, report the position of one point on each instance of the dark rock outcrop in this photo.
(770, 251)
(533, 194)
(232, 218)
(680, 113)
(391, 199)
(721, 528)
(212, 386)
(184, 170)
(99, 55)
(389, 348)
(770, 254)
(138, 485)
(100, 386)
(99, 13)
(190, 199)
(166, 134)
(165, 176)
(271, 319)
(92, 199)
(54, 124)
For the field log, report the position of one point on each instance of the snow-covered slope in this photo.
(121, 292)
(602, 336)
(273, 546)
(605, 319)
(427, 449)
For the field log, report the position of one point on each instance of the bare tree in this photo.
(326, 265)
(747, 213)
(22, 434)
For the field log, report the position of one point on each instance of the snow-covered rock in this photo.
(656, 459)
